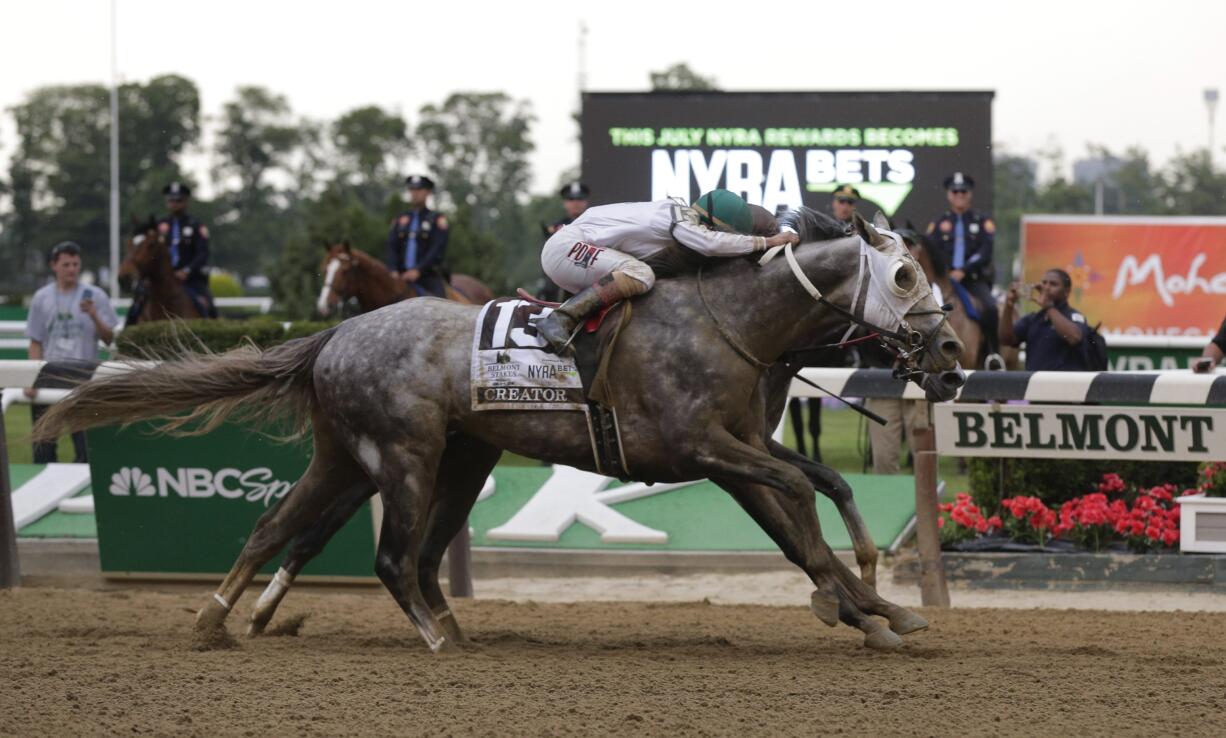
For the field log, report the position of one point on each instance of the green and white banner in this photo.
(185, 506)
(1081, 432)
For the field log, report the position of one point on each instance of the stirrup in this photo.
(566, 347)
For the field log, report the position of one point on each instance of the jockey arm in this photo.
(717, 243)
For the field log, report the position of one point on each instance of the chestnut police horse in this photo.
(353, 273)
(974, 347)
(157, 294)
(395, 416)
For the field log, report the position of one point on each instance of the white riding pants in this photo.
(574, 264)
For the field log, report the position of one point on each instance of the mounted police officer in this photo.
(189, 246)
(417, 242)
(965, 238)
(576, 197)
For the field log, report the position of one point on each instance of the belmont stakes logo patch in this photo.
(513, 368)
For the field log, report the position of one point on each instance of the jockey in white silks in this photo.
(599, 256)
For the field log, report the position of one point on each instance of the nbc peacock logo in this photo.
(129, 480)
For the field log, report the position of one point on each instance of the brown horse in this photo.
(147, 271)
(974, 348)
(354, 273)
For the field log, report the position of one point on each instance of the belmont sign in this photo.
(1081, 432)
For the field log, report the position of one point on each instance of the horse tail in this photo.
(195, 392)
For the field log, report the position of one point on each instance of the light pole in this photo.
(114, 261)
(1211, 104)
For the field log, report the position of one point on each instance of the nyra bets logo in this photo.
(253, 485)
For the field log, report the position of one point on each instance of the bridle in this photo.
(906, 343)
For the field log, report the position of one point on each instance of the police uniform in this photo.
(1046, 349)
(418, 240)
(848, 192)
(188, 240)
(966, 241)
(549, 290)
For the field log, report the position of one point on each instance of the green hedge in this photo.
(1057, 480)
(162, 337)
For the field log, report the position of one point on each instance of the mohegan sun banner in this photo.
(1137, 275)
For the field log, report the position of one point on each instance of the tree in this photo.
(1014, 187)
(60, 171)
(257, 137)
(258, 146)
(680, 77)
(1193, 185)
(372, 146)
(478, 145)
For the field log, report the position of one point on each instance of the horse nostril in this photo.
(951, 348)
(953, 379)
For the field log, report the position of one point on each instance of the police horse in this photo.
(974, 346)
(354, 274)
(387, 396)
(147, 271)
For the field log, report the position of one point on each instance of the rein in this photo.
(905, 344)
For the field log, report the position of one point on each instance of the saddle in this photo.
(593, 351)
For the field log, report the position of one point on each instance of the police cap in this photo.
(418, 182)
(177, 191)
(576, 191)
(959, 181)
(846, 191)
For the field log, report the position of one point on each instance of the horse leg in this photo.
(465, 465)
(405, 472)
(795, 529)
(732, 462)
(304, 547)
(331, 469)
(832, 485)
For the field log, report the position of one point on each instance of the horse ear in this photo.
(347, 247)
(868, 232)
(881, 221)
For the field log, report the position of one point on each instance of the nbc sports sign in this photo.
(785, 149)
(185, 506)
(1137, 275)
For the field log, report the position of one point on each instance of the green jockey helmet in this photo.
(725, 211)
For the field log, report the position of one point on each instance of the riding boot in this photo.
(559, 327)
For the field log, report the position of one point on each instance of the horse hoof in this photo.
(908, 622)
(825, 607)
(254, 629)
(883, 639)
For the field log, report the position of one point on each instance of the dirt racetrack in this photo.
(76, 662)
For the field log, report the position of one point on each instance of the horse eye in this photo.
(904, 278)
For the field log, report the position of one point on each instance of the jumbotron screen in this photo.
(784, 149)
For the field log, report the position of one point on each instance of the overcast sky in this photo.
(1116, 73)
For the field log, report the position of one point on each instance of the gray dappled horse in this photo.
(387, 396)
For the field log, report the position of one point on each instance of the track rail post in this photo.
(934, 592)
(10, 568)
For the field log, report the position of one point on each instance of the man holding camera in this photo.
(66, 321)
(1054, 334)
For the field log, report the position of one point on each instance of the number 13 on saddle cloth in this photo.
(514, 369)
